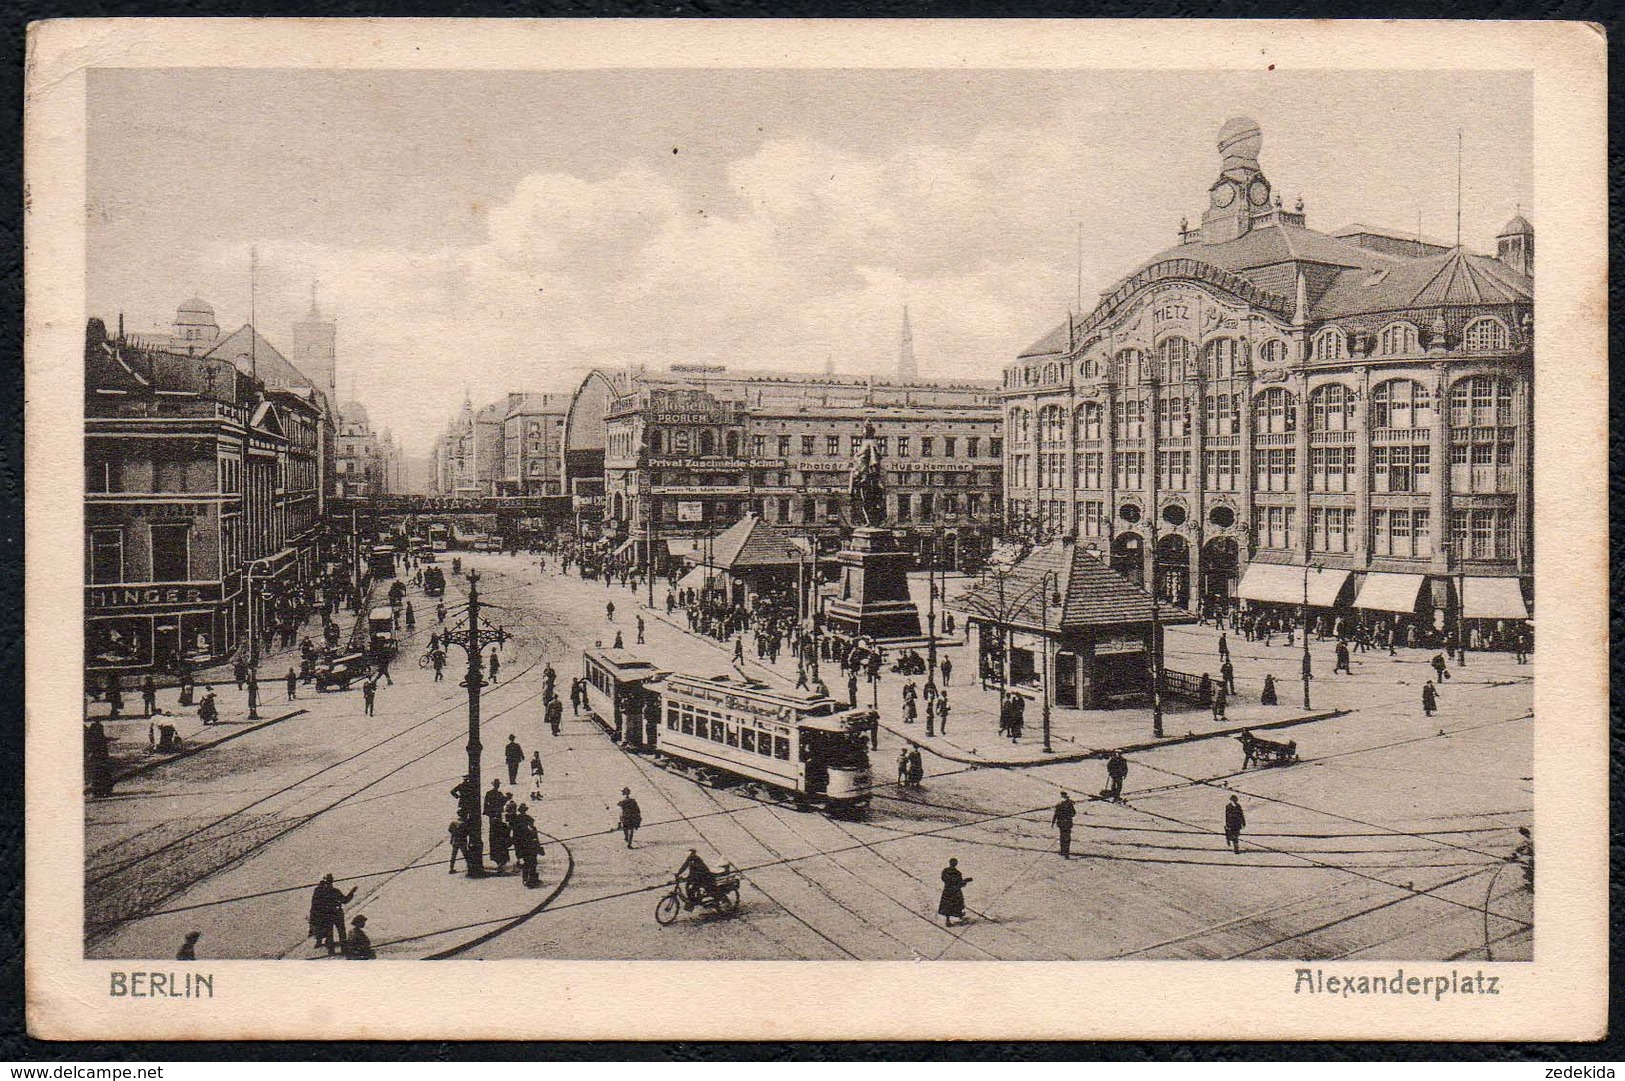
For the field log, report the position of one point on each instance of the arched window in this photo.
(1397, 340)
(1088, 421)
(1401, 404)
(708, 442)
(1221, 357)
(1052, 426)
(1481, 401)
(1272, 352)
(1091, 369)
(1330, 344)
(1486, 335)
(1275, 412)
(1126, 366)
(1223, 418)
(1331, 409)
(733, 444)
(1173, 357)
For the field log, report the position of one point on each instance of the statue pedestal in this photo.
(874, 600)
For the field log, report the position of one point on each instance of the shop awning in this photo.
(1381, 592)
(1274, 583)
(1493, 598)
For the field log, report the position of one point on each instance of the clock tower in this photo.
(1241, 190)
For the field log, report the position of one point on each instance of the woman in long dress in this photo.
(952, 904)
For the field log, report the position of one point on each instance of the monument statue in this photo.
(867, 491)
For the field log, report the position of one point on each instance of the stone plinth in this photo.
(874, 599)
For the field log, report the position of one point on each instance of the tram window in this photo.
(688, 725)
(733, 735)
(718, 730)
(764, 745)
(781, 748)
(747, 740)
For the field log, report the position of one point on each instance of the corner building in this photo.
(688, 452)
(1271, 414)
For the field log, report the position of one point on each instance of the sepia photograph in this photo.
(705, 513)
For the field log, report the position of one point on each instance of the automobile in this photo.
(338, 672)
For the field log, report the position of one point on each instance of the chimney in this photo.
(907, 371)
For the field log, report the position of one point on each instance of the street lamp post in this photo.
(1156, 649)
(473, 643)
(1461, 605)
(1043, 644)
(1307, 663)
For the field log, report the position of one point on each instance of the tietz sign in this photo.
(129, 596)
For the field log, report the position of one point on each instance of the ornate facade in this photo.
(1272, 413)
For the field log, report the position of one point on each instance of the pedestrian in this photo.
(553, 713)
(327, 903)
(902, 767)
(115, 697)
(1227, 672)
(457, 835)
(536, 772)
(1018, 716)
(438, 660)
(149, 696)
(852, 690)
(1342, 664)
(575, 697)
(369, 694)
(609, 609)
(1061, 818)
(411, 617)
(942, 713)
(1224, 647)
(494, 665)
(1234, 819)
(188, 950)
(495, 799)
(440, 613)
(1439, 667)
(1218, 704)
(951, 905)
(910, 710)
(640, 630)
(549, 679)
(501, 842)
(239, 671)
(1204, 690)
(1307, 667)
(359, 948)
(947, 670)
(208, 711)
(916, 768)
(1430, 698)
(383, 669)
(619, 643)
(292, 681)
(1116, 771)
(631, 816)
(514, 755)
(739, 650)
(1268, 698)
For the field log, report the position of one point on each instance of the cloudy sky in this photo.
(509, 231)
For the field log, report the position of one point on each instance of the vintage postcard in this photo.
(781, 530)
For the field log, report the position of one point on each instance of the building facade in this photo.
(1270, 413)
(533, 445)
(360, 464)
(690, 451)
(203, 497)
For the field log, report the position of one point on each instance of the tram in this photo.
(381, 561)
(439, 537)
(619, 697)
(781, 743)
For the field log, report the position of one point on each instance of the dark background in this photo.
(16, 1045)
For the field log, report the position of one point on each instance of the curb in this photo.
(148, 767)
(480, 940)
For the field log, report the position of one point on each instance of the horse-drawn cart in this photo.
(1265, 752)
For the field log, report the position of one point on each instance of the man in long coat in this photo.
(951, 905)
(327, 903)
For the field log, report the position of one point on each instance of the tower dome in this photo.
(1518, 226)
(194, 321)
(1240, 140)
(353, 412)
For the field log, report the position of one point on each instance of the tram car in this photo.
(381, 561)
(434, 580)
(618, 695)
(782, 744)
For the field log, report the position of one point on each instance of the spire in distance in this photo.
(907, 370)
